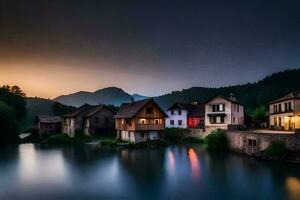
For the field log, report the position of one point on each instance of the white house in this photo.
(223, 113)
(184, 115)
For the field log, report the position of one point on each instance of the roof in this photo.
(129, 110)
(82, 109)
(48, 119)
(193, 109)
(95, 110)
(86, 110)
(292, 95)
(223, 97)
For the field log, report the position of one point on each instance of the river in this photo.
(30, 171)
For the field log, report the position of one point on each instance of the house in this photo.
(285, 113)
(185, 115)
(47, 125)
(88, 119)
(99, 120)
(139, 121)
(223, 113)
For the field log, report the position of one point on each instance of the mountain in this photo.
(251, 95)
(138, 97)
(110, 95)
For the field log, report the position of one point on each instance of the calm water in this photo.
(39, 172)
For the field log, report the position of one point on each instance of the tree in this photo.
(14, 98)
(9, 126)
(259, 115)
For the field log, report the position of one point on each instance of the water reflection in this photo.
(293, 188)
(194, 161)
(36, 168)
(171, 162)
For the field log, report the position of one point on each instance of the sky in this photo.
(55, 47)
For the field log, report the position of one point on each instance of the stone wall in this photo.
(239, 141)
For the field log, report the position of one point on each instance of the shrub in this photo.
(66, 139)
(217, 140)
(176, 134)
(276, 148)
(196, 139)
(108, 143)
(59, 139)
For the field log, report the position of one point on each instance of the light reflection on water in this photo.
(293, 187)
(186, 172)
(195, 164)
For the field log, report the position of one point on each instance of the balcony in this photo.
(140, 127)
(150, 127)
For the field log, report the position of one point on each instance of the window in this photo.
(149, 110)
(279, 108)
(252, 142)
(179, 122)
(156, 121)
(96, 120)
(179, 112)
(218, 108)
(172, 122)
(233, 119)
(238, 108)
(128, 122)
(279, 121)
(290, 106)
(275, 121)
(217, 119)
(172, 112)
(106, 120)
(285, 106)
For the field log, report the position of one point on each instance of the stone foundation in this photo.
(249, 142)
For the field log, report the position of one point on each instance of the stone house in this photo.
(140, 121)
(87, 119)
(285, 113)
(223, 113)
(47, 125)
(99, 121)
(185, 115)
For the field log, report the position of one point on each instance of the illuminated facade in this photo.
(285, 113)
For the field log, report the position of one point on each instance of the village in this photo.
(144, 120)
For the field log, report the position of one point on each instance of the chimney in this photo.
(132, 100)
(232, 96)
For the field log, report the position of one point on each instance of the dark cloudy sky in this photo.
(53, 47)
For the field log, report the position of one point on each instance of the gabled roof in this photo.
(192, 109)
(129, 110)
(95, 110)
(292, 95)
(48, 119)
(223, 97)
(86, 108)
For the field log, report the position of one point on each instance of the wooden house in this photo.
(47, 125)
(140, 121)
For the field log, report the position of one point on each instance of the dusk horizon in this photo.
(55, 48)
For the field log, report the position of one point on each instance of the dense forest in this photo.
(252, 95)
(13, 113)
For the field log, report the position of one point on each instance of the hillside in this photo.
(251, 94)
(39, 106)
(110, 95)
